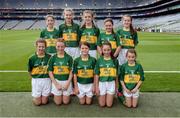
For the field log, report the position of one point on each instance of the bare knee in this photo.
(109, 105)
(82, 101)
(58, 102)
(66, 102)
(88, 100)
(44, 100)
(128, 105)
(134, 105)
(37, 102)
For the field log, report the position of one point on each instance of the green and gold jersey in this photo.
(106, 69)
(50, 37)
(127, 40)
(84, 69)
(61, 66)
(131, 75)
(89, 35)
(112, 38)
(37, 66)
(70, 34)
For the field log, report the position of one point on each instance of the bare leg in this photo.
(66, 99)
(88, 100)
(58, 100)
(37, 101)
(109, 100)
(134, 102)
(82, 100)
(102, 100)
(44, 99)
(128, 102)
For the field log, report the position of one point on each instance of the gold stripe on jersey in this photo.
(129, 78)
(127, 42)
(61, 70)
(113, 44)
(70, 36)
(89, 39)
(85, 73)
(107, 72)
(51, 42)
(39, 70)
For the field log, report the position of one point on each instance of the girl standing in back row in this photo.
(128, 38)
(69, 31)
(89, 32)
(110, 36)
(50, 34)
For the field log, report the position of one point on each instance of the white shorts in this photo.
(85, 90)
(73, 51)
(93, 53)
(107, 88)
(41, 87)
(134, 95)
(57, 92)
(122, 56)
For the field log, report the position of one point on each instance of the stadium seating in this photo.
(147, 14)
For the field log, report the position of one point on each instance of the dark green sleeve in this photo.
(98, 32)
(135, 37)
(75, 66)
(96, 70)
(99, 42)
(71, 62)
(51, 62)
(30, 63)
(122, 73)
(78, 33)
(60, 31)
(42, 34)
(117, 65)
(117, 40)
(94, 63)
(57, 34)
(141, 72)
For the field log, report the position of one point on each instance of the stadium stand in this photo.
(151, 15)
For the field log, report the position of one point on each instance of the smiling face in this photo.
(131, 57)
(50, 22)
(88, 18)
(60, 46)
(40, 48)
(106, 50)
(108, 26)
(84, 50)
(68, 15)
(126, 21)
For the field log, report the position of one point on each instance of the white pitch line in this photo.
(23, 71)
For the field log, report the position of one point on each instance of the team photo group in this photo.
(84, 61)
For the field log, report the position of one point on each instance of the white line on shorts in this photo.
(23, 71)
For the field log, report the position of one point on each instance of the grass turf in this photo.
(156, 51)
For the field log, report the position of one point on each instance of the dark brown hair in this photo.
(41, 41)
(110, 20)
(133, 51)
(84, 43)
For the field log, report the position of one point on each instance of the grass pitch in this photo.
(156, 52)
